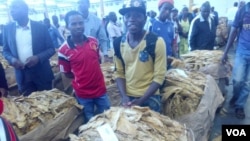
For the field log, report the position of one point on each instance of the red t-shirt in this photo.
(83, 62)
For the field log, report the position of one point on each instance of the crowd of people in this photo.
(142, 44)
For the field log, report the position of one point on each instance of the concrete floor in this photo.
(226, 113)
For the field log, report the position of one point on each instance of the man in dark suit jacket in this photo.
(27, 46)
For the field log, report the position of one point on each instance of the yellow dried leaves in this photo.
(183, 92)
(133, 124)
(26, 113)
(4, 62)
(207, 61)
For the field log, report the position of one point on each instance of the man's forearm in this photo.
(121, 84)
(154, 86)
(231, 39)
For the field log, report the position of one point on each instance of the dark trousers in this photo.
(29, 87)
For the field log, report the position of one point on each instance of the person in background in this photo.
(215, 16)
(93, 27)
(164, 27)
(3, 82)
(202, 30)
(113, 30)
(195, 11)
(61, 29)
(147, 24)
(105, 22)
(27, 47)
(140, 78)
(79, 60)
(241, 69)
(177, 28)
(151, 19)
(54, 33)
(185, 20)
(120, 24)
(186, 13)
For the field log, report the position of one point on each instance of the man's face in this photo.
(83, 6)
(75, 25)
(113, 17)
(165, 11)
(185, 11)
(18, 11)
(174, 15)
(205, 11)
(134, 21)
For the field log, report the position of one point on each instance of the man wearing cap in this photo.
(139, 78)
(202, 30)
(93, 26)
(164, 27)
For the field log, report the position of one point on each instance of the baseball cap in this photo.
(133, 5)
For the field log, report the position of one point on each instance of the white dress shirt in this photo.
(24, 42)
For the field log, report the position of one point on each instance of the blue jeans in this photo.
(153, 102)
(241, 80)
(102, 103)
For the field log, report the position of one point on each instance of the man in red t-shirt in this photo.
(79, 59)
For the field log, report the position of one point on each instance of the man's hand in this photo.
(31, 61)
(125, 101)
(17, 64)
(135, 102)
(3, 92)
(224, 59)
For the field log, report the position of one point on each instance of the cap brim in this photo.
(123, 11)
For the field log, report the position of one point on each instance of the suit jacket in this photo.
(42, 47)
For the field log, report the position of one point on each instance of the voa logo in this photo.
(236, 132)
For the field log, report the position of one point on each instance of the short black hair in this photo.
(235, 4)
(206, 5)
(70, 13)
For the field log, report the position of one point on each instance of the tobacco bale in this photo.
(136, 123)
(207, 61)
(27, 113)
(183, 92)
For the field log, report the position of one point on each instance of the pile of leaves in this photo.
(133, 124)
(27, 113)
(183, 92)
